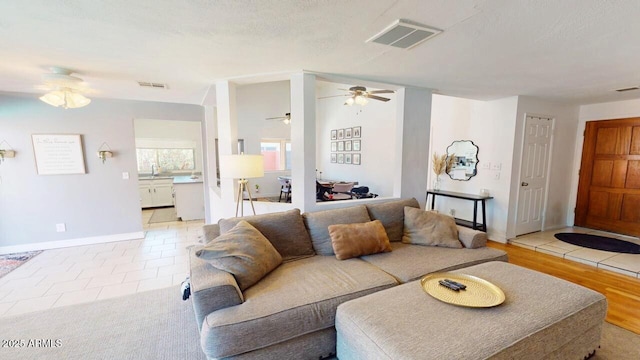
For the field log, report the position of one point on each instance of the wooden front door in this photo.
(609, 187)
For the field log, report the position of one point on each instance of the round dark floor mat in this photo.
(599, 242)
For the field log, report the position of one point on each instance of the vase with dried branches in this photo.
(441, 164)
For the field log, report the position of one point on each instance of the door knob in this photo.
(524, 184)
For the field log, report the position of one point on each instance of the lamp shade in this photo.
(241, 166)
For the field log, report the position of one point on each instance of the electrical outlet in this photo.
(452, 212)
(496, 176)
(61, 227)
(125, 175)
(486, 165)
(496, 167)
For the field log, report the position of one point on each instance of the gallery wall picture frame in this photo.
(58, 154)
(356, 145)
(340, 145)
(340, 158)
(347, 158)
(347, 133)
(347, 145)
(357, 131)
(356, 159)
(340, 134)
(334, 134)
(334, 158)
(334, 146)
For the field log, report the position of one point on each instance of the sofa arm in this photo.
(211, 289)
(470, 238)
(210, 232)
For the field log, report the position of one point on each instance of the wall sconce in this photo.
(6, 151)
(105, 152)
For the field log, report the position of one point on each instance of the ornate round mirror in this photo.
(465, 163)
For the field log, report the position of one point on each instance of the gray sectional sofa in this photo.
(290, 313)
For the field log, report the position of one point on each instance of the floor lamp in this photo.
(242, 167)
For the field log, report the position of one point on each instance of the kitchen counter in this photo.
(186, 180)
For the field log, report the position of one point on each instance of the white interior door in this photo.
(533, 174)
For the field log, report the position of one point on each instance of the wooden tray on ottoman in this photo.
(479, 292)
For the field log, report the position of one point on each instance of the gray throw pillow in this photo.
(318, 224)
(285, 230)
(429, 228)
(391, 215)
(243, 252)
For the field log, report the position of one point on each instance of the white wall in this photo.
(497, 128)
(170, 134)
(378, 138)
(97, 206)
(490, 125)
(592, 112)
(255, 103)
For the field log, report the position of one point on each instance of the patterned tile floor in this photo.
(627, 264)
(79, 274)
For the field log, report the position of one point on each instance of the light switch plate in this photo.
(61, 227)
(486, 165)
(496, 167)
(125, 175)
(496, 175)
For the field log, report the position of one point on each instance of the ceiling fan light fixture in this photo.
(53, 98)
(361, 100)
(287, 121)
(349, 101)
(65, 98)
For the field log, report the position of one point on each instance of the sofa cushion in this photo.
(353, 240)
(297, 298)
(391, 214)
(429, 228)
(243, 252)
(410, 262)
(318, 224)
(285, 230)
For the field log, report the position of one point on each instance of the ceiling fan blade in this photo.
(377, 98)
(381, 92)
(332, 96)
(277, 118)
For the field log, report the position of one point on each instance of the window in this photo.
(166, 159)
(277, 154)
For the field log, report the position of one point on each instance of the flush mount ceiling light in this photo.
(404, 34)
(65, 89)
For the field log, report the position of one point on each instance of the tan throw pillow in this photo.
(429, 228)
(244, 252)
(353, 240)
(318, 224)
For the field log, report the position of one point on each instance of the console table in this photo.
(472, 197)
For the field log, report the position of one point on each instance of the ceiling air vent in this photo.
(153, 85)
(404, 34)
(628, 89)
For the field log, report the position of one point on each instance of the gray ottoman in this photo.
(543, 317)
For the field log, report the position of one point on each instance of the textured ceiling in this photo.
(574, 51)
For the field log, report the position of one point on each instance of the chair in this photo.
(321, 190)
(342, 191)
(285, 188)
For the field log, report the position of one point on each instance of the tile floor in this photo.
(627, 264)
(79, 274)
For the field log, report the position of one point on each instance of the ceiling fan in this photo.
(285, 119)
(360, 96)
(63, 89)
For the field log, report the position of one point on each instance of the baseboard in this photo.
(71, 242)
